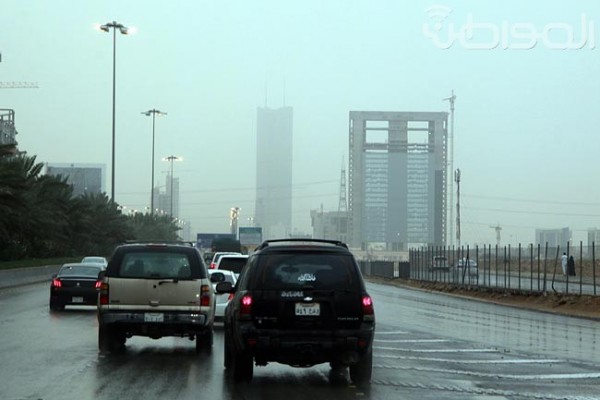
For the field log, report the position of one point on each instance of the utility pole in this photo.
(450, 167)
(457, 180)
(498, 229)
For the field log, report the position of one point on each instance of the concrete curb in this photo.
(25, 276)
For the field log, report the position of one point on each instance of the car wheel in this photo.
(204, 341)
(242, 365)
(362, 371)
(110, 340)
(56, 306)
(227, 356)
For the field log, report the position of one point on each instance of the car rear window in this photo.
(79, 270)
(232, 264)
(155, 265)
(298, 270)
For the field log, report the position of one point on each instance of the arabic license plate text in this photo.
(153, 317)
(310, 309)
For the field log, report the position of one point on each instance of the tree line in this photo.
(40, 217)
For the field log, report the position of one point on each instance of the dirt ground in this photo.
(572, 305)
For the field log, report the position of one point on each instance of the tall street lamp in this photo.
(171, 159)
(153, 112)
(124, 30)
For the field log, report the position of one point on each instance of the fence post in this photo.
(496, 283)
(545, 268)
(594, 265)
(568, 254)
(531, 267)
(580, 267)
(519, 266)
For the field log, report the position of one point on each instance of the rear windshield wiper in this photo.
(173, 280)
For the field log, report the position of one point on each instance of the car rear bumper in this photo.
(146, 323)
(306, 348)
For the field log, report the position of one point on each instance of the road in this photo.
(428, 346)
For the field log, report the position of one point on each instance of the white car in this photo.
(95, 260)
(217, 256)
(232, 262)
(471, 265)
(223, 299)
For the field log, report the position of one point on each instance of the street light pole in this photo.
(153, 112)
(123, 29)
(171, 159)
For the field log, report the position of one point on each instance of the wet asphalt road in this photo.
(428, 346)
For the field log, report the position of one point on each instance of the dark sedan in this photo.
(75, 284)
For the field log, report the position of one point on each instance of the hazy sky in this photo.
(527, 131)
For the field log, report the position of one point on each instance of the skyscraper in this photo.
(397, 178)
(274, 172)
(84, 178)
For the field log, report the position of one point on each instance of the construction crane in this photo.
(498, 229)
(18, 85)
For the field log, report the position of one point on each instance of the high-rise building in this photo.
(168, 201)
(553, 237)
(397, 178)
(84, 178)
(274, 172)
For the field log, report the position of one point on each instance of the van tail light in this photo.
(367, 308)
(103, 297)
(205, 296)
(56, 283)
(246, 306)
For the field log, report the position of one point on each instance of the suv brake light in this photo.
(212, 265)
(103, 299)
(367, 308)
(205, 296)
(246, 306)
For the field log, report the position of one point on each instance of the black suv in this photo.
(155, 290)
(299, 302)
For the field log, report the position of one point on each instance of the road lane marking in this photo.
(391, 333)
(499, 361)
(579, 375)
(438, 350)
(413, 340)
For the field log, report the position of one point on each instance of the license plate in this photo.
(311, 309)
(153, 317)
(77, 299)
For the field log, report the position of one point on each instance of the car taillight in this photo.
(230, 297)
(367, 308)
(205, 296)
(212, 265)
(56, 283)
(246, 306)
(103, 298)
(98, 284)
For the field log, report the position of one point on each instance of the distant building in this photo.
(593, 236)
(7, 127)
(168, 201)
(274, 172)
(554, 237)
(332, 225)
(84, 178)
(397, 179)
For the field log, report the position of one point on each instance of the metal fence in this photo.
(533, 268)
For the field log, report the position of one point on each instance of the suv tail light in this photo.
(367, 308)
(246, 306)
(212, 265)
(56, 283)
(205, 296)
(103, 298)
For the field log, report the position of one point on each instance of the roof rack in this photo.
(159, 242)
(266, 243)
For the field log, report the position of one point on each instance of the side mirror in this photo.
(224, 287)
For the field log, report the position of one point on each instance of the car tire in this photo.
(56, 306)
(242, 366)
(227, 353)
(204, 341)
(361, 372)
(110, 340)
